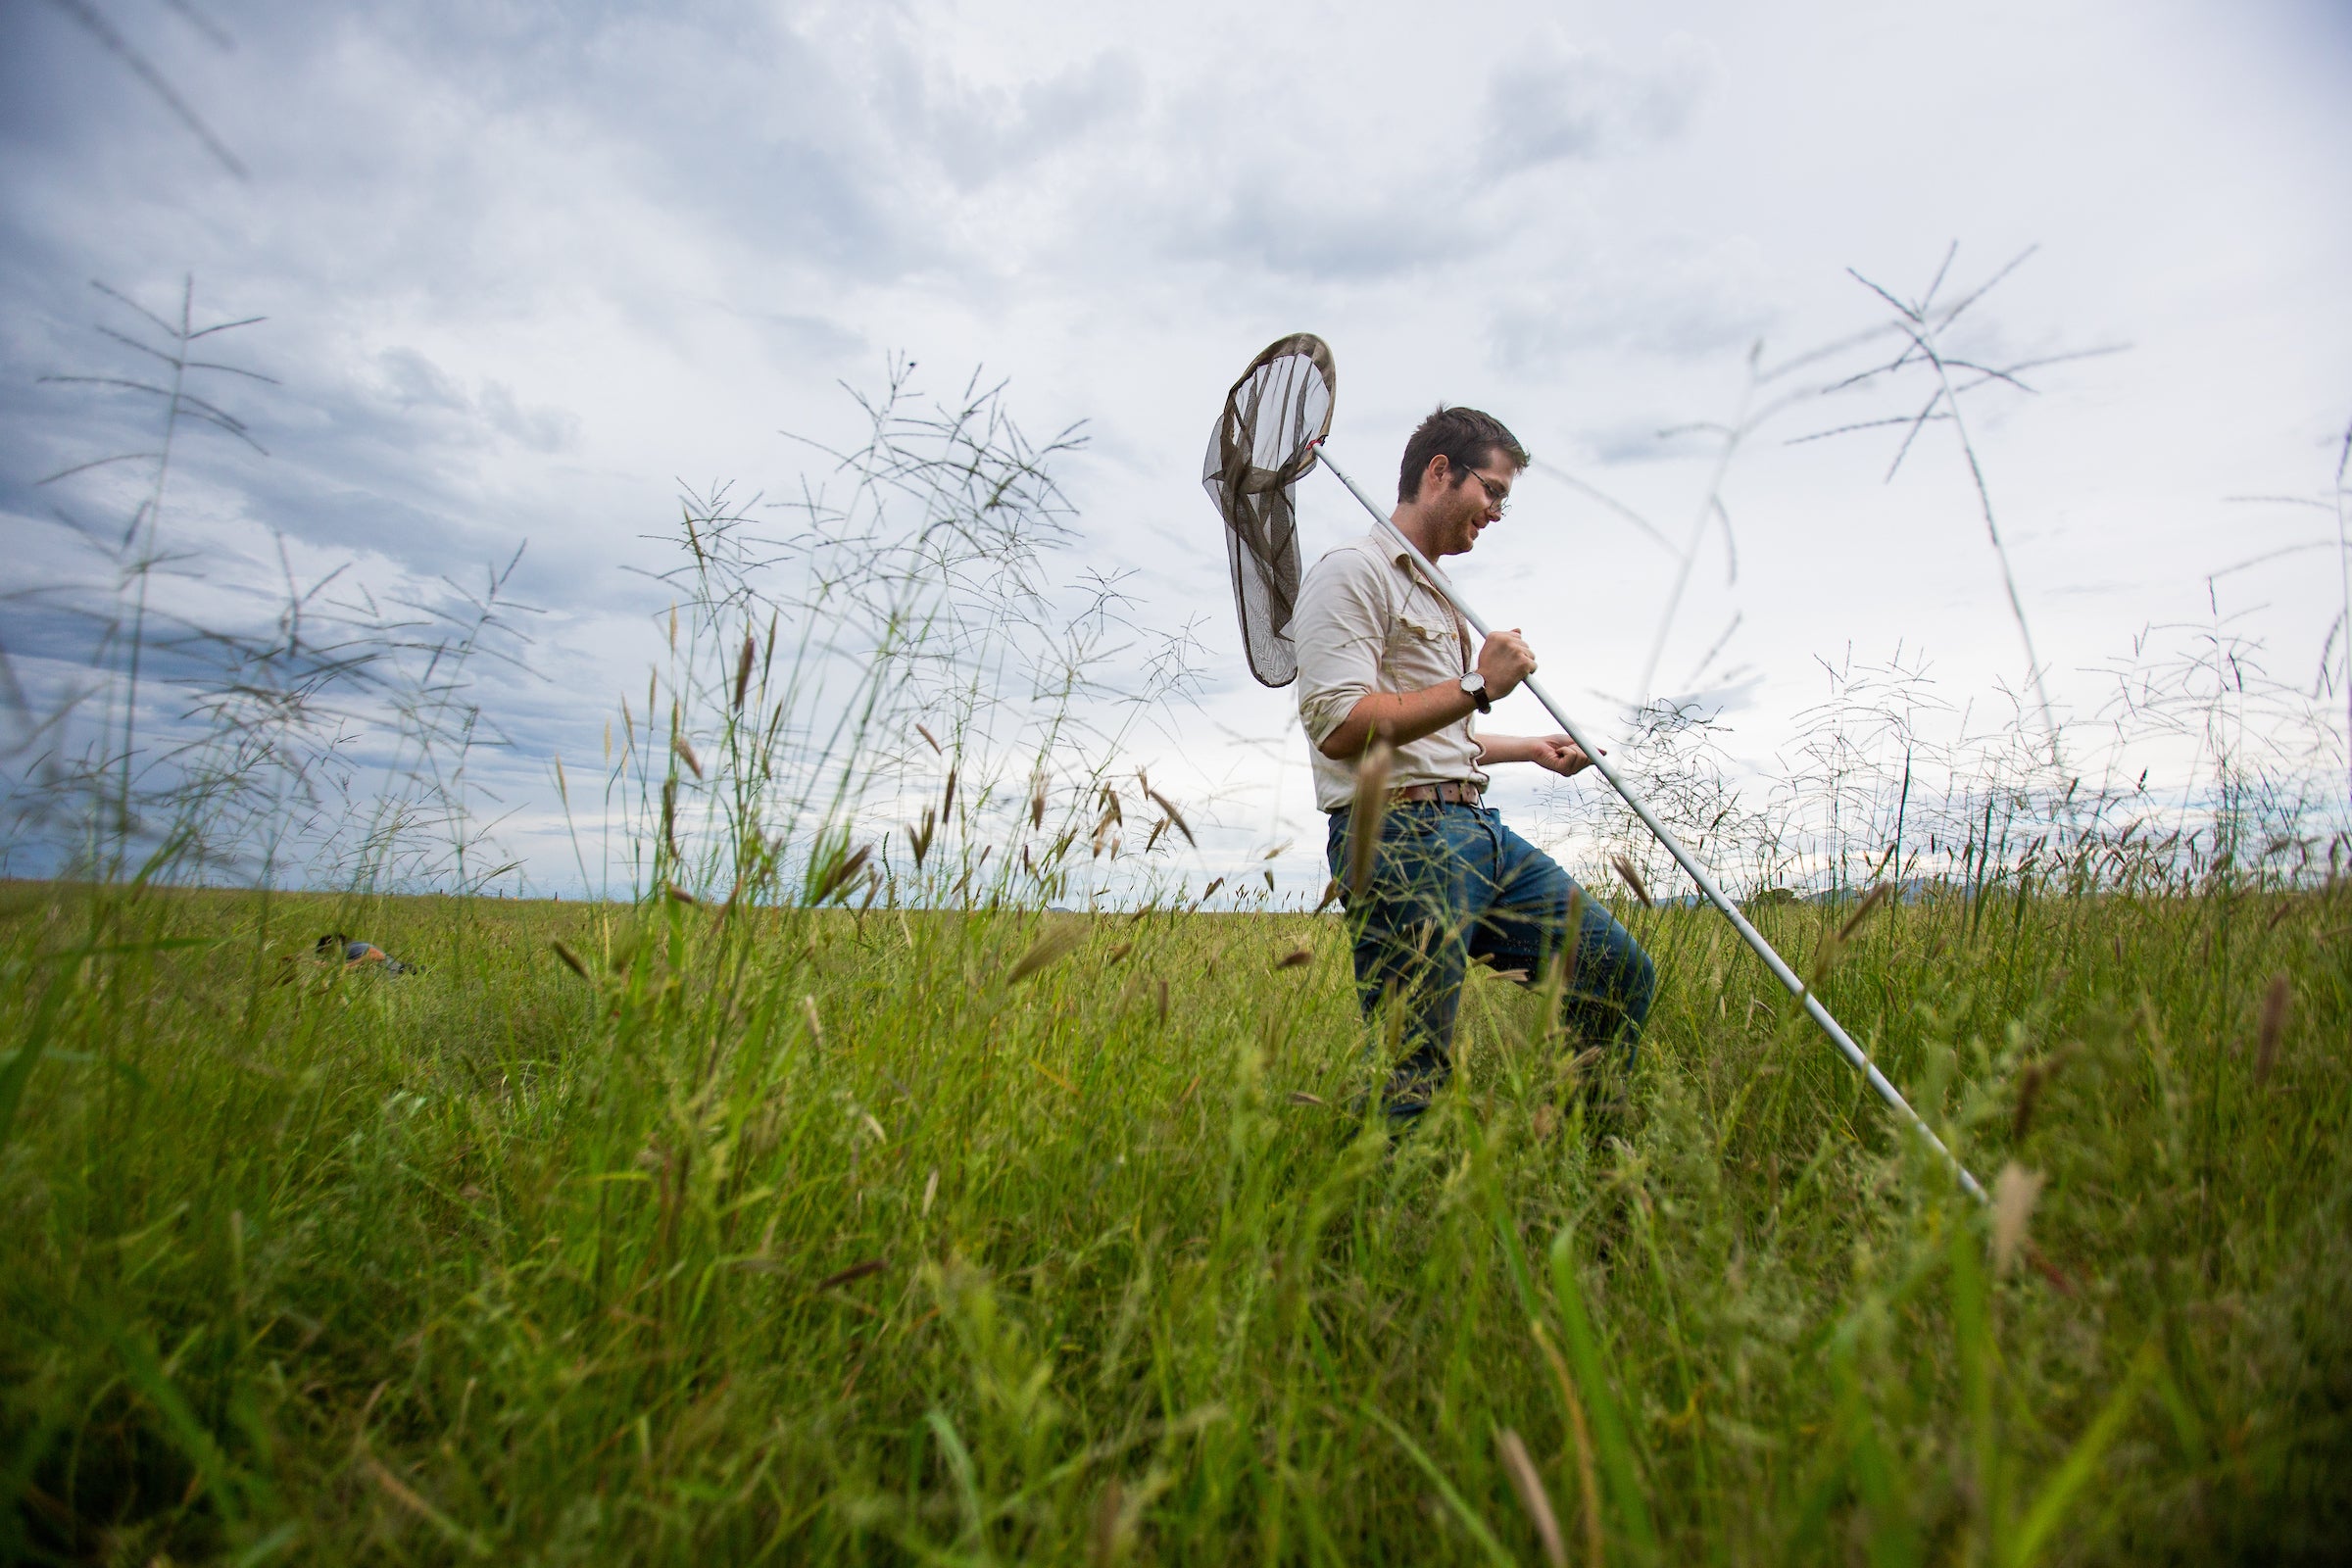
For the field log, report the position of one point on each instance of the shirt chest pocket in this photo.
(1417, 636)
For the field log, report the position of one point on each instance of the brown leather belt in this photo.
(1452, 792)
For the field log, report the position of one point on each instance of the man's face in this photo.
(1468, 501)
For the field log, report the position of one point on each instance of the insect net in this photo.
(1263, 444)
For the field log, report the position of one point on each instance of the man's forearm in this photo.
(1398, 718)
(1507, 748)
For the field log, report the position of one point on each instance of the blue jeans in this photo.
(1450, 883)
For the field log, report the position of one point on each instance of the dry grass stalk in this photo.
(1210, 891)
(1295, 959)
(932, 738)
(677, 743)
(1331, 892)
(1116, 954)
(1036, 800)
(678, 894)
(1103, 1547)
(1054, 943)
(572, 959)
(1364, 816)
(1300, 1096)
(1632, 876)
(816, 1025)
(854, 1272)
(1862, 911)
(743, 671)
(2275, 1001)
(400, 1494)
(2013, 1190)
(947, 801)
(1588, 1482)
(1530, 1487)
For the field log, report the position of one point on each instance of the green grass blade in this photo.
(1617, 1459)
(2074, 1472)
(1454, 1500)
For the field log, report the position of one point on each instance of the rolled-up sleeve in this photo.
(1339, 627)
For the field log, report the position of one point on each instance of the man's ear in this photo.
(1438, 472)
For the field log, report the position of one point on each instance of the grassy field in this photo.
(820, 1237)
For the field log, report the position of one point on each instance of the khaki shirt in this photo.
(1367, 622)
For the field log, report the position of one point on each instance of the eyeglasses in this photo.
(1498, 496)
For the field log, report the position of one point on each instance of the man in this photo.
(1382, 657)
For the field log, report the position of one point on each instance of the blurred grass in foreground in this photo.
(810, 1236)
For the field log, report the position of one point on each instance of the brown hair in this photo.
(1465, 436)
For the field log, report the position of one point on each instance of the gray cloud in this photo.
(1677, 297)
(1555, 104)
(524, 264)
(979, 135)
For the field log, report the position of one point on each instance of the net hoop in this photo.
(1265, 442)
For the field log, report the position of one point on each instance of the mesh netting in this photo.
(1262, 445)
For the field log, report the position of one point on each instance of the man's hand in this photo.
(1506, 660)
(1558, 754)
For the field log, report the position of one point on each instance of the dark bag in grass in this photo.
(358, 955)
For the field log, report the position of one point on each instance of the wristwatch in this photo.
(1475, 684)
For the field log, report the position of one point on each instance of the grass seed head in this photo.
(2030, 1085)
(1175, 815)
(839, 875)
(1054, 943)
(2275, 1001)
(1632, 876)
(2013, 1190)
(1371, 804)
(1862, 911)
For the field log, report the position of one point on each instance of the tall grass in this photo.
(793, 1233)
(170, 714)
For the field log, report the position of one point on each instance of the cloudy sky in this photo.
(527, 265)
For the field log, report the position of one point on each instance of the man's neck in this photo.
(1409, 522)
